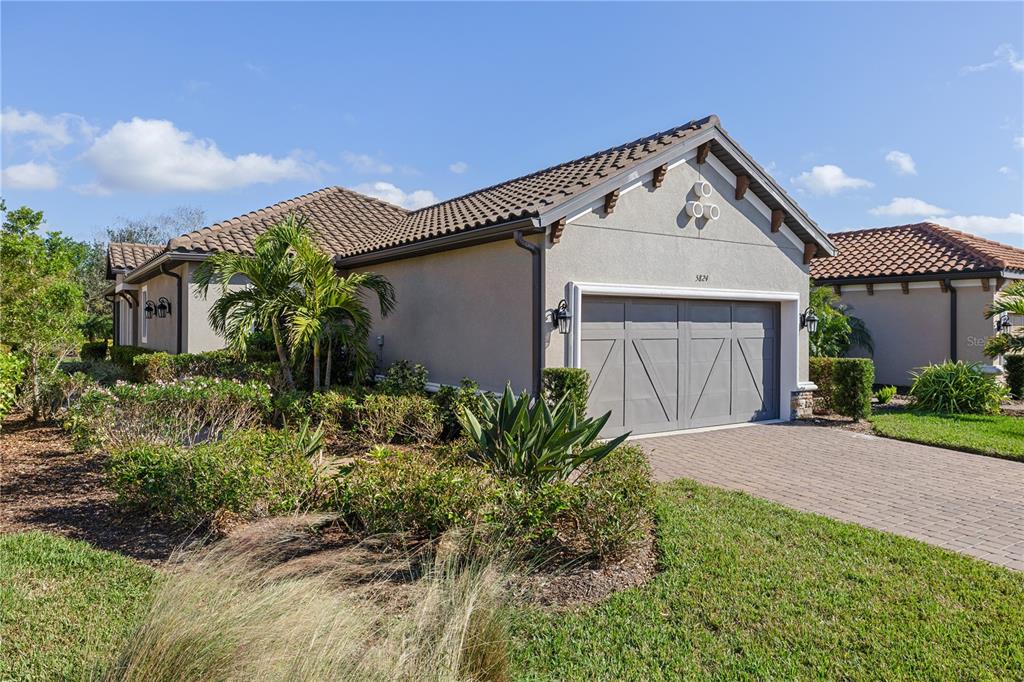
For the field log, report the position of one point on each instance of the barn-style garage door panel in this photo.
(664, 364)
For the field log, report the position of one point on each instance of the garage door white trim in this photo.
(789, 322)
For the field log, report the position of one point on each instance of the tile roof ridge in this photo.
(367, 197)
(152, 246)
(694, 124)
(865, 230)
(957, 238)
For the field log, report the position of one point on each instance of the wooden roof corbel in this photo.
(742, 185)
(658, 175)
(557, 228)
(610, 200)
(702, 152)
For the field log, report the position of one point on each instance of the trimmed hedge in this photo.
(93, 350)
(221, 364)
(820, 373)
(124, 356)
(1014, 367)
(852, 380)
(571, 382)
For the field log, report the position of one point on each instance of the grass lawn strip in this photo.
(64, 606)
(751, 589)
(997, 435)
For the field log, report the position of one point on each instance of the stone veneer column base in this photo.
(801, 403)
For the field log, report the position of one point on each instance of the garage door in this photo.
(665, 364)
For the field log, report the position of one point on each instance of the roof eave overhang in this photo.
(762, 184)
(152, 267)
(455, 240)
(919, 277)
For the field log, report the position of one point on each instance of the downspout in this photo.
(113, 311)
(538, 307)
(164, 271)
(952, 320)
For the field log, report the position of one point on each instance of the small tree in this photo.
(1009, 301)
(43, 305)
(838, 330)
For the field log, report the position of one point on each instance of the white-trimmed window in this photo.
(143, 321)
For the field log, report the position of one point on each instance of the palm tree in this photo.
(1011, 302)
(838, 329)
(266, 302)
(328, 308)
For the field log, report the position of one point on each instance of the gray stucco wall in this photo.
(650, 240)
(162, 333)
(198, 335)
(461, 313)
(912, 330)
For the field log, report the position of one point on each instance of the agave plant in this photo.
(525, 439)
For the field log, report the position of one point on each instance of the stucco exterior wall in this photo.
(461, 313)
(198, 336)
(650, 240)
(912, 330)
(162, 333)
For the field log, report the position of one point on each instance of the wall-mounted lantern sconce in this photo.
(1003, 323)
(163, 309)
(149, 310)
(809, 320)
(561, 318)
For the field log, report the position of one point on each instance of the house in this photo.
(922, 291)
(673, 268)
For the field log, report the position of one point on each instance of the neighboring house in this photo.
(922, 290)
(682, 321)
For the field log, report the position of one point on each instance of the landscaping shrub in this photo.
(337, 410)
(103, 372)
(612, 502)
(1013, 365)
(384, 418)
(957, 388)
(221, 364)
(93, 350)
(124, 356)
(249, 473)
(404, 378)
(851, 391)
(526, 518)
(450, 401)
(820, 373)
(532, 443)
(885, 394)
(184, 412)
(567, 383)
(396, 491)
(11, 370)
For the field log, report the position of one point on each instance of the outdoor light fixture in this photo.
(560, 317)
(164, 307)
(150, 309)
(1003, 323)
(809, 320)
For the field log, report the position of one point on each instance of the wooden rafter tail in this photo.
(610, 200)
(810, 251)
(984, 284)
(944, 285)
(871, 288)
(742, 185)
(702, 152)
(778, 216)
(557, 228)
(837, 289)
(658, 175)
(905, 286)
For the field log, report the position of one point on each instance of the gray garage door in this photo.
(664, 364)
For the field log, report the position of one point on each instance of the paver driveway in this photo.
(966, 503)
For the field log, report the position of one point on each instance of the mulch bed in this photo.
(46, 486)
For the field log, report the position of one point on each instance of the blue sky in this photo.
(870, 114)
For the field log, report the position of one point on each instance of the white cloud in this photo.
(394, 195)
(364, 163)
(45, 132)
(459, 167)
(1004, 54)
(153, 156)
(829, 179)
(1018, 142)
(902, 206)
(901, 162)
(984, 224)
(1005, 170)
(30, 175)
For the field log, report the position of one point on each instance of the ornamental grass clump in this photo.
(957, 388)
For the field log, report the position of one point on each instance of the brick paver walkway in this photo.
(966, 503)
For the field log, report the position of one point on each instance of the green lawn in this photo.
(996, 435)
(752, 590)
(64, 605)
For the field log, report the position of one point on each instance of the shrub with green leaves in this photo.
(103, 372)
(11, 370)
(957, 388)
(399, 491)
(249, 473)
(450, 401)
(221, 364)
(567, 383)
(93, 350)
(851, 391)
(337, 410)
(1013, 365)
(526, 518)
(820, 374)
(404, 378)
(182, 412)
(381, 419)
(532, 442)
(885, 394)
(124, 356)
